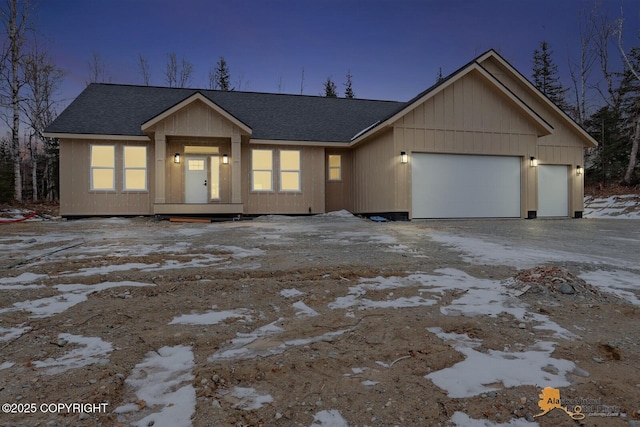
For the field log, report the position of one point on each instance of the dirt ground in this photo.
(317, 362)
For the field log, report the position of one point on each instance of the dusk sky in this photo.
(393, 48)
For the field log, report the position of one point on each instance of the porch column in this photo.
(161, 155)
(236, 170)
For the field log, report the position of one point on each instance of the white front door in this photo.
(195, 180)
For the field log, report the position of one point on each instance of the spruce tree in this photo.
(545, 76)
(330, 89)
(348, 89)
(221, 79)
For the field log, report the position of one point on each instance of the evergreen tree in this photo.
(330, 89)
(348, 90)
(545, 76)
(220, 78)
(439, 77)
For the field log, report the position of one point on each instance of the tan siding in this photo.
(310, 200)
(195, 119)
(76, 197)
(373, 164)
(338, 193)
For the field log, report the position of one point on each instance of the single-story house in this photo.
(484, 142)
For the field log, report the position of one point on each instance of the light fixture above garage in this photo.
(533, 162)
(225, 159)
(176, 158)
(403, 157)
(579, 170)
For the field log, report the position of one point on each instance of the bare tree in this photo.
(581, 72)
(177, 75)
(145, 71)
(603, 31)
(43, 79)
(15, 17)
(98, 72)
(634, 112)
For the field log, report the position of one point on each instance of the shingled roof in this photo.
(109, 109)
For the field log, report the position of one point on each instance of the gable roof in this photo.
(126, 110)
(122, 110)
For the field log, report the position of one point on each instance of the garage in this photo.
(553, 191)
(465, 186)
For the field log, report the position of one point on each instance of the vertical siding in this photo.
(76, 196)
(311, 198)
(373, 178)
(467, 117)
(338, 193)
(563, 147)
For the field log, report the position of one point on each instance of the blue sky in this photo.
(393, 48)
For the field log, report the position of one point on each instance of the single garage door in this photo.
(465, 186)
(553, 191)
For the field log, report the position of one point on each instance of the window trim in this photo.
(254, 170)
(338, 168)
(125, 169)
(92, 168)
(214, 169)
(298, 171)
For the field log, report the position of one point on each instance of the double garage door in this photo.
(472, 186)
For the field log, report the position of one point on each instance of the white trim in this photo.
(196, 97)
(299, 143)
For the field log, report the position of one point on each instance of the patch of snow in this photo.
(330, 418)
(622, 283)
(290, 293)
(368, 383)
(211, 317)
(342, 214)
(23, 278)
(237, 252)
(614, 207)
(304, 310)
(6, 365)
(472, 376)
(249, 399)
(75, 294)
(163, 381)
(94, 350)
(463, 420)
(8, 334)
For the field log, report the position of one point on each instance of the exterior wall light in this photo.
(403, 157)
(533, 162)
(176, 158)
(579, 170)
(225, 159)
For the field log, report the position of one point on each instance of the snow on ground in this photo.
(162, 385)
(303, 310)
(248, 398)
(93, 350)
(619, 282)
(471, 376)
(73, 294)
(290, 293)
(621, 207)
(212, 317)
(8, 334)
(330, 418)
(23, 278)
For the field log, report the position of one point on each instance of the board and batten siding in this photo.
(563, 147)
(338, 193)
(76, 196)
(311, 198)
(195, 119)
(467, 117)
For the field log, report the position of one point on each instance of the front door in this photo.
(195, 180)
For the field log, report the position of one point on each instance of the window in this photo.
(135, 168)
(103, 163)
(261, 170)
(335, 167)
(289, 170)
(214, 179)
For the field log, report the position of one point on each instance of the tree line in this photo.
(603, 97)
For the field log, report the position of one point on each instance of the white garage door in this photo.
(465, 186)
(553, 190)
